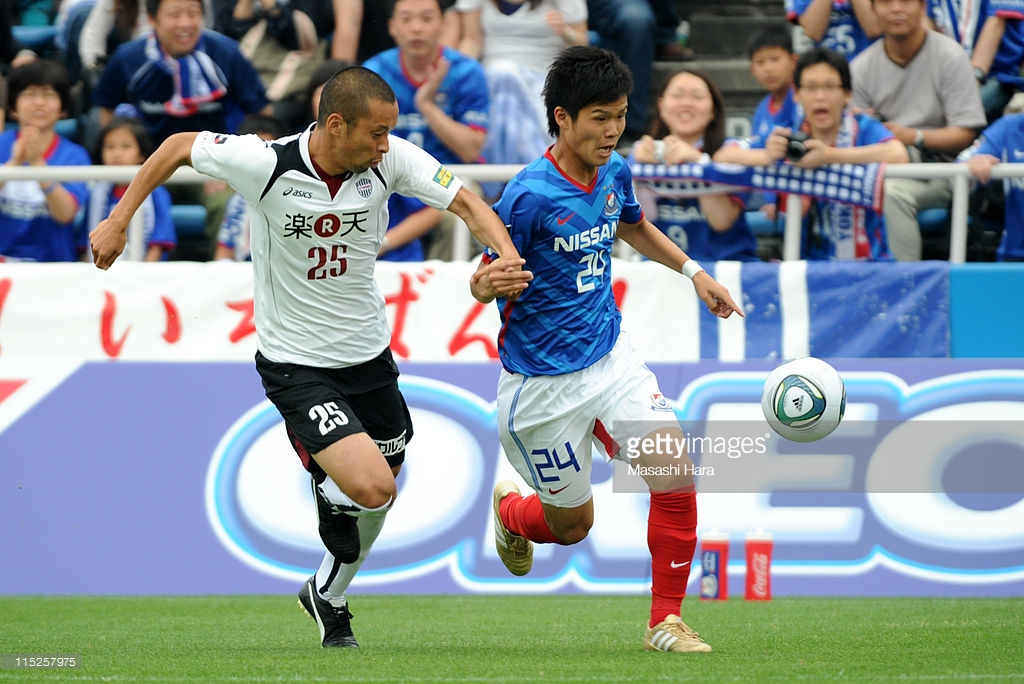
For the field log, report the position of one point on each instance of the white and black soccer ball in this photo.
(804, 399)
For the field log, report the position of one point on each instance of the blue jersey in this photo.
(132, 77)
(234, 233)
(1004, 140)
(682, 220)
(764, 120)
(844, 33)
(27, 231)
(567, 319)
(839, 231)
(400, 208)
(963, 22)
(462, 96)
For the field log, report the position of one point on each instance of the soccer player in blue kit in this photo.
(571, 379)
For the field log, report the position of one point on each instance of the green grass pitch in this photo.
(515, 639)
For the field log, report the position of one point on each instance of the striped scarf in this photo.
(197, 79)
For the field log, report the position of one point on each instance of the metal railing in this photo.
(957, 174)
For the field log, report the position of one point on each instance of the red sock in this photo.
(525, 516)
(671, 537)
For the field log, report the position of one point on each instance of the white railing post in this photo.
(136, 246)
(794, 227)
(958, 220)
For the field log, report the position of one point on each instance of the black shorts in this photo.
(323, 405)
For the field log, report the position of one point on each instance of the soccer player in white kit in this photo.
(571, 380)
(318, 215)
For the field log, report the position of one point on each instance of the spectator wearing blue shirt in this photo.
(37, 218)
(831, 230)
(124, 142)
(845, 26)
(442, 108)
(772, 62)
(689, 127)
(1003, 142)
(182, 77)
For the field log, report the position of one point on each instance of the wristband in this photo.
(53, 186)
(691, 268)
(919, 139)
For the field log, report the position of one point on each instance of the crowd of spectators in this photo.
(892, 80)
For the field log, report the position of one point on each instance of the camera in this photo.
(795, 147)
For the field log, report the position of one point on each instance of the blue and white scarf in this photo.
(857, 184)
(197, 79)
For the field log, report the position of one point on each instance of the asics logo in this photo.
(297, 193)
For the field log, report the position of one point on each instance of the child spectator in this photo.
(124, 142)
(1003, 142)
(233, 236)
(37, 218)
(831, 230)
(772, 61)
(689, 127)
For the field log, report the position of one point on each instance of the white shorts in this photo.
(548, 424)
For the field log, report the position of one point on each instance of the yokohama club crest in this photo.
(611, 204)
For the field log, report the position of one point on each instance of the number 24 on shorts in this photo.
(546, 459)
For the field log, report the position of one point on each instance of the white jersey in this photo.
(316, 300)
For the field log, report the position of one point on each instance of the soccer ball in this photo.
(804, 399)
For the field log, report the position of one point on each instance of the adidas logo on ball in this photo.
(804, 399)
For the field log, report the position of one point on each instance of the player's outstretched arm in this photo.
(483, 223)
(645, 238)
(109, 237)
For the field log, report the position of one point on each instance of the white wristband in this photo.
(691, 268)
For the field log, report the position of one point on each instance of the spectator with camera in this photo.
(828, 133)
(921, 84)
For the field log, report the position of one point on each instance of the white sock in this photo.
(334, 577)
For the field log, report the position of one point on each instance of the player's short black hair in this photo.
(41, 72)
(349, 92)
(583, 75)
(153, 5)
(262, 123)
(820, 55)
(772, 36)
